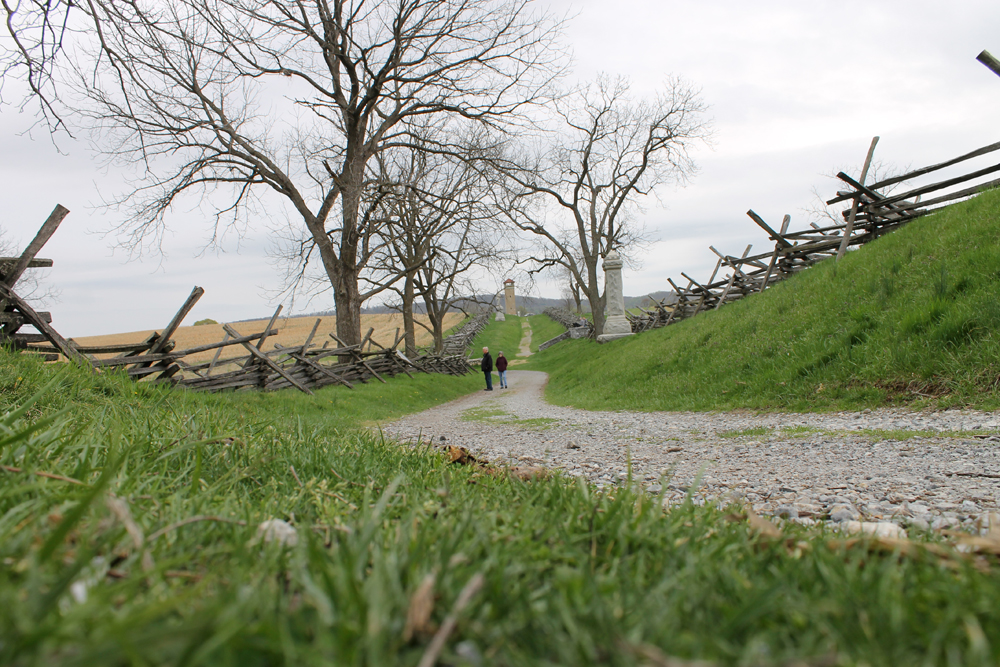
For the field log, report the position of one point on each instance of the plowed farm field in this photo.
(291, 331)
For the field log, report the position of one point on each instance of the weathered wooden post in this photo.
(616, 325)
(987, 59)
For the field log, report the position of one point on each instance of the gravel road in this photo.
(943, 472)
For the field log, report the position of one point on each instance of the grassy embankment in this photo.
(911, 319)
(499, 337)
(128, 521)
(543, 328)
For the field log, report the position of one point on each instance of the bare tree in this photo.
(571, 289)
(232, 98)
(439, 226)
(578, 195)
(37, 29)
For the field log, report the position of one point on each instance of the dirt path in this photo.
(524, 350)
(886, 464)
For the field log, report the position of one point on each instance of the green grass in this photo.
(489, 413)
(543, 328)
(911, 319)
(799, 431)
(499, 337)
(757, 430)
(153, 557)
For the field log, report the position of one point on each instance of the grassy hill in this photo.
(913, 318)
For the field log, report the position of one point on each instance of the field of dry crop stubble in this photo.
(291, 331)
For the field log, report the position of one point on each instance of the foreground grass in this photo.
(128, 536)
(911, 319)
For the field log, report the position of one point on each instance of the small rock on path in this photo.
(801, 466)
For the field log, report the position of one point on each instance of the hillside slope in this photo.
(912, 318)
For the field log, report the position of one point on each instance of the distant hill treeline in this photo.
(529, 304)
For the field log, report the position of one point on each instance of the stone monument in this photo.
(500, 317)
(616, 325)
(510, 304)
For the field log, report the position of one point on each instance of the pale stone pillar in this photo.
(616, 325)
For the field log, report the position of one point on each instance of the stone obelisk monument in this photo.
(616, 325)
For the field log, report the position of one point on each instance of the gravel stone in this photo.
(843, 513)
(815, 463)
(787, 511)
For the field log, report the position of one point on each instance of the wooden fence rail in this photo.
(305, 367)
(876, 210)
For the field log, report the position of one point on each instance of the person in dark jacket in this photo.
(502, 369)
(487, 366)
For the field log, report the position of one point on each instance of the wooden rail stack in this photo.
(650, 318)
(875, 210)
(16, 312)
(458, 343)
(576, 326)
(156, 359)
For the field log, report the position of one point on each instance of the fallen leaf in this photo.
(418, 615)
(762, 526)
(528, 473)
(460, 455)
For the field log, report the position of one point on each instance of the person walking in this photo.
(487, 366)
(502, 369)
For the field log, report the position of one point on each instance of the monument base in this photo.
(500, 317)
(605, 338)
(615, 327)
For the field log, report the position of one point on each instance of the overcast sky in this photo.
(796, 92)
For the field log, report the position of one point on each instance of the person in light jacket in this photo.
(502, 369)
(487, 366)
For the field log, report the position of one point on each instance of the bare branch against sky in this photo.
(580, 193)
(240, 101)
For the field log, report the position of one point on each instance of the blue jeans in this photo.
(489, 380)
(503, 379)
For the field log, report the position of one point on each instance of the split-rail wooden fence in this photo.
(306, 367)
(876, 209)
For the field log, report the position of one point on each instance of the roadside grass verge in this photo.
(911, 319)
(128, 536)
(543, 328)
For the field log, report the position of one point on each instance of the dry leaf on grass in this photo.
(528, 473)
(461, 456)
(987, 544)
(652, 656)
(418, 615)
(762, 526)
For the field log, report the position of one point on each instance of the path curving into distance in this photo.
(868, 465)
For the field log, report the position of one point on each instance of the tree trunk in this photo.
(347, 297)
(594, 296)
(597, 309)
(347, 300)
(409, 333)
(437, 326)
